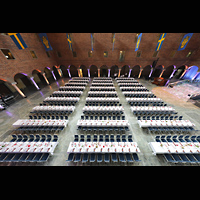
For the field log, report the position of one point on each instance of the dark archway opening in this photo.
(93, 71)
(135, 71)
(124, 71)
(103, 71)
(114, 71)
(73, 71)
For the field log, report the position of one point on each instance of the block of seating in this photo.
(102, 88)
(178, 138)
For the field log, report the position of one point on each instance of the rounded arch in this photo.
(49, 75)
(125, 71)
(38, 77)
(55, 71)
(168, 71)
(73, 71)
(24, 83)
(64, 71)
(104, 71)
(179, 72)
(114, 71)
(6, 88)
(190, 72)
(93, 71)
(146, 72)
(157, 71)
(135, 71)
(84, 70)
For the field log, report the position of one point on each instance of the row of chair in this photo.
(133, 103)
(56, 103)
(140, 95)
(47, 116)
(106, 112)
(154, 112)
(102, 129)
(102, 89)
(34, 129)
(106, 157)
(24, 157)
(101, 138)
(176, 138)
(182, 158)
(34, 138)
(102, 117)
(71, 89)
(157, 117)
(103, 104)
(102, 95)
(176, 130)
(133, 89)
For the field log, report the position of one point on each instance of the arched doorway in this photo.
(124, 71)
(93, 71)
(24, 83)
(103, 71)
(190, 73)
(7, 91)
(73, 71)
(39, 78)
(84, 70)
(180, 70)
(49, 75)
(157, 71)
(146, 72)
(135, 71)
(114, 71)
(64, 71)
(56, 73)
(168, 71)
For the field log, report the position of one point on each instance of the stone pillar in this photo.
(53, 75)
(34, 83)
(18, 90)
(45, 78)
(119, 73)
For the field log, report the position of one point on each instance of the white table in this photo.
(40, 122)
(103, 108)
(137, 92)
(67, 92)
(165, 123)
(174, 147)
(103, 123)
(27, 147)
(105, 147)
(102, 92)
(144, 99)
(103, 99)
(62, 99)
(54, 108)
(152, 108)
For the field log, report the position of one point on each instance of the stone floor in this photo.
(21, 109)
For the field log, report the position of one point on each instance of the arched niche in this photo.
(93, 71)
(64, 71)
(49, 75)
(73, 71)
(190, 73)
(180, 70)
(146, 72)
(157, 71)
(104, 71)
(168, 71)
(114, 71)
(135, 71)
(55, 71)
(124, 71)
(84, 70)
(38, 77)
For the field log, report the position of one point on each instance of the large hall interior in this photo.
(99, 99)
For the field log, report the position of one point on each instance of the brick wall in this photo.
(23, 62)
